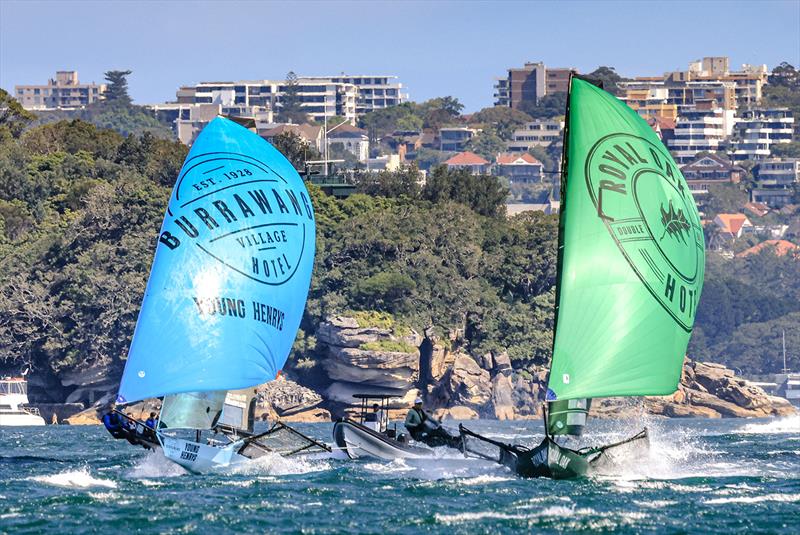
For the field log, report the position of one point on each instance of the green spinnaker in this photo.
(631, 267)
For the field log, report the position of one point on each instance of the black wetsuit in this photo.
(431, 432)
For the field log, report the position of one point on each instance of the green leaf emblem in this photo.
(675, 223)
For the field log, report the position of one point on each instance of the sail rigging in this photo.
(231, 272)
(631, 256)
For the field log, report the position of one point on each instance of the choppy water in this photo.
(703, 476)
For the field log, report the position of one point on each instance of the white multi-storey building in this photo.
(757, 130)
(700, 131)
(775, 180)
(318, 99)
(538, 133)
(348, 96)
(374, 92)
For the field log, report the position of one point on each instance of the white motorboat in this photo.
(371, 436)
(13, 401)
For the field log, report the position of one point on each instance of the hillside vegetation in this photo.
(80, 210)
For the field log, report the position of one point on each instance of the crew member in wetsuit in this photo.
(113, 424)
(151, 422)
(424, 428)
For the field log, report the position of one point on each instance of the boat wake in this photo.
(787, 424)
(454, 467)
(75, 479)
(277, 465)
(154, 465)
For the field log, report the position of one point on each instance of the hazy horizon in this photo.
(436, 49)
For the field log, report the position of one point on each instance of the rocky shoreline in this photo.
(356, 358)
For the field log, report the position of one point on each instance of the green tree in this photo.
(291, 108)
(725, 199)
(486, 144)
(609, 78)
(548, 107)
(484, 194)
(296, 149)
(12, 115)
(504, 119)
(786, 150)
(403, 182)
(785, 75)
(117, 89)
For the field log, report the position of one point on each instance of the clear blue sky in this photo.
(436, 48)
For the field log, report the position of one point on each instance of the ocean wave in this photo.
(482, 480)
(555, 510)
(787, 498)
(76, 479)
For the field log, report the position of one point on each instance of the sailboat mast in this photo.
(562, 213)
(785, 369)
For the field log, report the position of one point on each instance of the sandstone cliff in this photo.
(363, 358)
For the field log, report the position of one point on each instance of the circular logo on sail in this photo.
(240, 212)
(643, 201)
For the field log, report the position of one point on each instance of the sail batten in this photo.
(231, 272)
(631, 256)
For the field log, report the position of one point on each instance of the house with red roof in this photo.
(518, 168)
(732, 225)
(757, 209)
(779, 247)
(470, 161)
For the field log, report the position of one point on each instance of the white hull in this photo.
(19, 419)
(359, 441)
(200, 458)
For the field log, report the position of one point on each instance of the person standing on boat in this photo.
(425, 428)
(379, 425)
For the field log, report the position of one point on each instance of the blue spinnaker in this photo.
(231, 271)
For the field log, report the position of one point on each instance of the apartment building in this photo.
(656, 96)
(530, 83)
(538, 133)
(374, 92)
(62, 92)
(757, 130)
(707, 79)
(775, 180)
(348, 96)
(318, 99)
(650, 101)
(702, 130)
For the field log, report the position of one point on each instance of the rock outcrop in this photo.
(457, 412)
(465, 384)
(367, 359)
(709, 390)
(383, 358)
(285, 397)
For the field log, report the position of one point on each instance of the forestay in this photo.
(631, 256)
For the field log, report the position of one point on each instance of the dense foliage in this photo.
(116, 112)
(80, 208)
